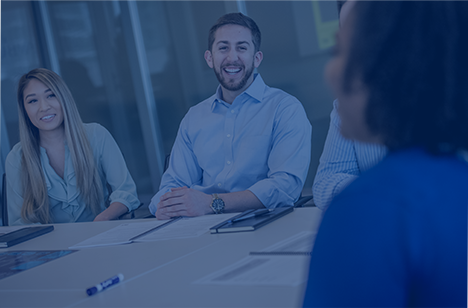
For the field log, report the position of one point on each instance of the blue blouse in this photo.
(65, 202)
(395, 237)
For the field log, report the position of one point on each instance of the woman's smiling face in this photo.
(42, 106)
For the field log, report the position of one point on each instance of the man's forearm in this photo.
(183, 201)
(240, 201)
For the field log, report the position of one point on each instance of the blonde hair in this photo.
(35, 199)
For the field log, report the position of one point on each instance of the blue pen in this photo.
(105, 284)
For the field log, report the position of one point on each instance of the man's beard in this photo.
(230, 86)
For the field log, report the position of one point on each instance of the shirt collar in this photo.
(255, 90)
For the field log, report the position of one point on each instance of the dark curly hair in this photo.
(413, 58)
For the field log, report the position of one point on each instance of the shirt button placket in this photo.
(229, 129)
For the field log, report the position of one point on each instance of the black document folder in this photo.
(22, 235)
(252, 223)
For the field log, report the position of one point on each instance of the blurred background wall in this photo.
(136, 67)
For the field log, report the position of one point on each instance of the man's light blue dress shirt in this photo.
(261, 143)
(342, 161)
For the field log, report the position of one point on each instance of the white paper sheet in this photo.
(187, 227)
(262, 271)
(119, 235)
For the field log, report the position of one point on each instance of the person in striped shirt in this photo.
(342, 160)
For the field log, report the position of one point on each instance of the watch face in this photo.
(218, 205)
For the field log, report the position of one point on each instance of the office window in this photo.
(175, 35)
(20, 54)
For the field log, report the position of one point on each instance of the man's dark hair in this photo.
(412, 57)
(236, 19)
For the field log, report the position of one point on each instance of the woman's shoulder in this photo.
(94, 128)
(95, 132)
(15, 153)
(415, 175)
(14, 157)
(99, 137)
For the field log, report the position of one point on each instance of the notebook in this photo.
(22, 235)
(252, 223)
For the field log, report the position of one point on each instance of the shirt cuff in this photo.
(153, 206)
(271, 197)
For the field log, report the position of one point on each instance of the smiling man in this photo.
(245, 147)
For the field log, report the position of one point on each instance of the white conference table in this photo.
(157, 274)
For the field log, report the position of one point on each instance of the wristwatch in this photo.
(217, 205)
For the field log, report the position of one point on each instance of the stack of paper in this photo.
(154, 230)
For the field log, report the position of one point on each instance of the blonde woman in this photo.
(60, 169)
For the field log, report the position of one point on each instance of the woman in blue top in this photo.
(60, 169)
(397, 236)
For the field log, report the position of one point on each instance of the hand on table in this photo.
(102, 217)
(183, 201)
(114, 211)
